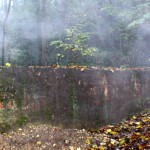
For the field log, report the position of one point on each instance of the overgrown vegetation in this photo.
(7, 119)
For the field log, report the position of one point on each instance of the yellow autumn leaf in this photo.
(145, 120)
(7, 64)
(88, 140)
(137, 133)
(113, 141)
(108, 130)
(137, 123)
(122, 142)
(134, 117)
(143, 137)
(101, 148)
(113, 133)
(140, 147)
(138, 127)
(38, 142)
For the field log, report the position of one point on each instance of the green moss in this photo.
(4, 127)
(73, 98)
(48, 114)
(21, 120)
(7, 119)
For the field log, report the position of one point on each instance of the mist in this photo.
(119, 31)
(70, 67)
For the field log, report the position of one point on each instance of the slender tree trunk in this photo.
(7, 8)
(43, 59)
(41, 6)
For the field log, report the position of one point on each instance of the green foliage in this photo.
(73, 29)
(7, 119)
(22, 120)
(136, 23)
(10, 118)
(75, 44)
(48, 114)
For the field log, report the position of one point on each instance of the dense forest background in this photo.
(75, 32)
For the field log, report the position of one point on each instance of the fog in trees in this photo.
(69, 32)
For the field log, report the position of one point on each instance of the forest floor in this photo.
(132, 133)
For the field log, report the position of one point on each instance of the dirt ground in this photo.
(44, 137)
(130, 134)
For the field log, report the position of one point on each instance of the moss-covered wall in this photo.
(75, 95)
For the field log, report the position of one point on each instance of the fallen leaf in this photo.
(38, 142)
(101, 148)
(71, 147)
(108, 130)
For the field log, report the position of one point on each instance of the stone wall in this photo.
(90, 96)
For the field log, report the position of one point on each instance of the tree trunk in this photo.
(41, 32)
(7, 10)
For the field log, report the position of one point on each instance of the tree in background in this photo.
(6, 6)
(41, 14)
(118, 30)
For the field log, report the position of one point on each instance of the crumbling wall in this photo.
(90, 96)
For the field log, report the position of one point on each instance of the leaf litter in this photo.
(130, 134)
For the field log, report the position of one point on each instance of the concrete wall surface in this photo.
(88, 96)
